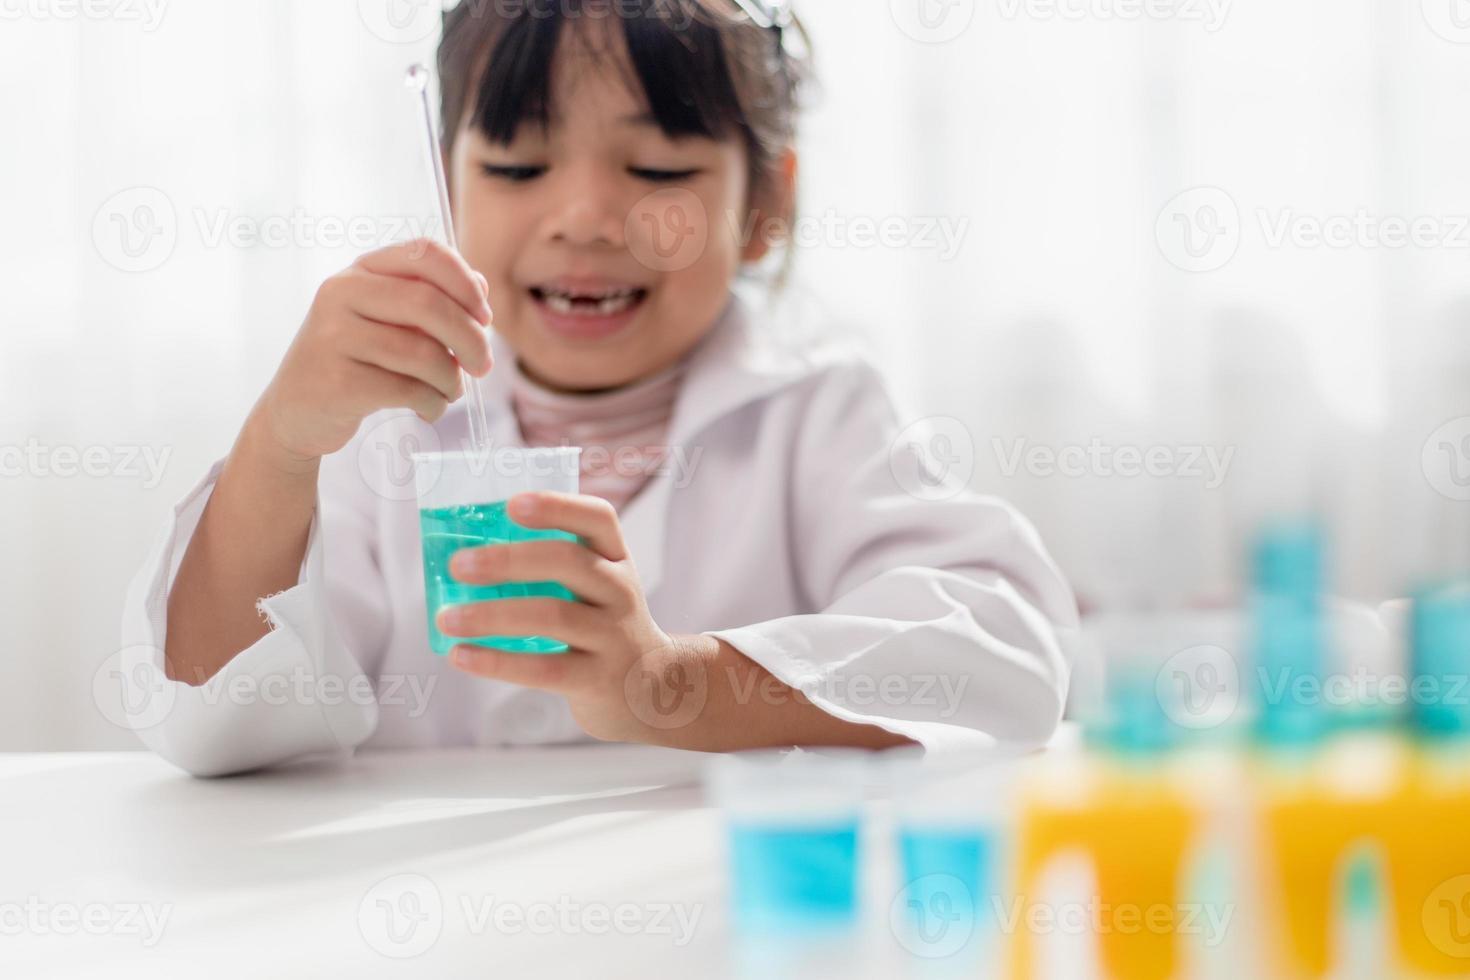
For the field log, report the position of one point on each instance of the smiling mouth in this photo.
(603, 302)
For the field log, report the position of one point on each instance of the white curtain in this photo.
(997, 193)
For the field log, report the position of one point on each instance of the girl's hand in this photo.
(391, 331)
(610, 631)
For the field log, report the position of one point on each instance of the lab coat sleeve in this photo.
(298, 690)
(941, 616)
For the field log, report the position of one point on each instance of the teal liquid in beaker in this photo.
(948, 872)
(794, 879)
(447, 530)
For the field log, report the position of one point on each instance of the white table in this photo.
(281, 873)
(595, 860)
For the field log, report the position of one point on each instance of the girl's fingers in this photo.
(437, 264)
(412, 303)
(574, 623)
(592, 519)
(591, 577)
(409, 352)
(374, 388)
(547, 672)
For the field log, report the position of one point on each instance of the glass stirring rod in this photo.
(417, 81)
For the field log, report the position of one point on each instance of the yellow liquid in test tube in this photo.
(1136, 829)
(1428, 833)
(1417, 816)
(1429, 829)
(1317, 814)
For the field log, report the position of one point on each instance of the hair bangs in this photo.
(678, 69)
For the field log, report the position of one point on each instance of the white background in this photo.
(1059, 132)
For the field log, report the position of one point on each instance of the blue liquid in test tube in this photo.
(789, 879)
(946, 867)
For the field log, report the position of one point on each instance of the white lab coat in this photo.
(794, 540)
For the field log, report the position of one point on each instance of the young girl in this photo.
(771, 571)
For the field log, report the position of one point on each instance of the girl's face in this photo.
(609, 247)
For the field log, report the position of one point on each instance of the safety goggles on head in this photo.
(770, 14)
(776, 16)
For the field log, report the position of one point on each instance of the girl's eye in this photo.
(662, 176)
(516, 175)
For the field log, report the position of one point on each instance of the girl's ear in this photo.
(772, 209)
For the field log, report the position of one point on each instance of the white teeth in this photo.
(606, 294)
(613, 302)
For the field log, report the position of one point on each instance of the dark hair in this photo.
(704, 67)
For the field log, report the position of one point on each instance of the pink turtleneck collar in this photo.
(623, 433)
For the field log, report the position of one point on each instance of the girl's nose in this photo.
(590, 213)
